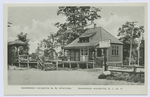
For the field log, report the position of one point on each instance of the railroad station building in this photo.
(86, 47)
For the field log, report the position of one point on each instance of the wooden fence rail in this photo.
(126, 69)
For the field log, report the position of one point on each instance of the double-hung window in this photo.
(115, 50)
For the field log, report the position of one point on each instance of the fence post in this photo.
(134, 70)
(63, 65)
(44, 63)
(93, 64)
(70, 65)
(19, 60)
(56, 64)
(37, 65)
(28, 62)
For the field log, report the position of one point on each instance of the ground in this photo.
(60, 77)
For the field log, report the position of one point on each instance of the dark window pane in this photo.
(99, 53)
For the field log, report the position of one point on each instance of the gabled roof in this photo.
(96, 34)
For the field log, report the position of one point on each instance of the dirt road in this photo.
(60, 77)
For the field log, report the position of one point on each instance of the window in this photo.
(84, 40)
(115, 50)
(84, 51)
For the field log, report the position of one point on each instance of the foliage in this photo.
(23, 49)
(127, 77)
(142, 53)
(33, 56)
(77, 18)
(11, 54)
(51, 45)
(128, 34)
(102, 76)
(63, 58)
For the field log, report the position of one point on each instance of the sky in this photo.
(38, 22)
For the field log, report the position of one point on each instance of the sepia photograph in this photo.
(86, 47)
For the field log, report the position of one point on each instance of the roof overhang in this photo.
(78, 47)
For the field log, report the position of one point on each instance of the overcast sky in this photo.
(38, 22)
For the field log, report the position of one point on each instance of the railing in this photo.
(40, 63)
(126, 69)
(23, 58)
(115, 63)
(99, 62)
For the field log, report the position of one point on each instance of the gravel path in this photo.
(60, 77)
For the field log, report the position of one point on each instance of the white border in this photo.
(64, 1)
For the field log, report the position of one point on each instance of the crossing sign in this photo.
(104, 44)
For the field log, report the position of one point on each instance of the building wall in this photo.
(73, 54)
(115, 58)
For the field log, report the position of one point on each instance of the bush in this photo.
(102, 76)
(126, 61)
(126, 77)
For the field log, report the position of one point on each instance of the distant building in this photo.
(86, 46)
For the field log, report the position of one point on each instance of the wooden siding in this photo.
(115, 58)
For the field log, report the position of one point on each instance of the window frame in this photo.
(84, 51)
(115, 50)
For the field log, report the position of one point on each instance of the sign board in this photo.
(43, 46)
(104, 44)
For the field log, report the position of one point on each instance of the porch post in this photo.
(63, 65)
(95, 52)
(78, 65)
(70, 65)
(18, 55)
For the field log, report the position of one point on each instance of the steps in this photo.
(43, 65)
(98, 62)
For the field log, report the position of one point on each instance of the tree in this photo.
(128, 33)
(51, 45)
(77, 18)
(23, 49)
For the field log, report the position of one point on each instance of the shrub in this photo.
(126, 61)
(126, 77)
(102, 76)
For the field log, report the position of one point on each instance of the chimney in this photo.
(94, 25)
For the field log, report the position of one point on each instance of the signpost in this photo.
(104, 44)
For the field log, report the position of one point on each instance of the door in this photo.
(84, 54)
